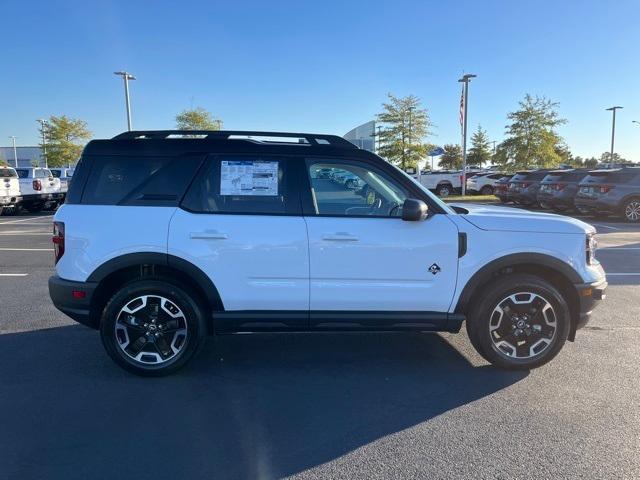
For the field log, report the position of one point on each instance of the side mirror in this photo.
(414, 210)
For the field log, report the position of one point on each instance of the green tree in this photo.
(65, 139)
(617, 158)
(406, 125)
(197, 119)
(590, 162)
(531, 138)
(451, 159)
(480, 152)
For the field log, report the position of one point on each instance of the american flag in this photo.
(462, 108)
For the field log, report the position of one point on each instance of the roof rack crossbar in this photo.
(311, 138)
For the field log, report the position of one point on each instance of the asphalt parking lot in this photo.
(317, 405)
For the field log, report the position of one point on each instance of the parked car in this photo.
(64, 175)
(483, 183)
(442, 182)
(10, 197)
(163, 241)
(39, 189)
(559, 187)
(524, 186)
(501, 189)
(613, 191)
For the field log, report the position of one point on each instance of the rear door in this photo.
(365, 258)
(241, 223)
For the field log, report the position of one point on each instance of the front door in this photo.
(364, 257)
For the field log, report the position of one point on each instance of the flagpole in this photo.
(465, 81)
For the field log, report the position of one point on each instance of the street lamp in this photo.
(15, 151)
(126, 76)
(613, 129)
(43, 130)
(465, 80)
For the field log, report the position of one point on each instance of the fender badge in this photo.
(434, 268)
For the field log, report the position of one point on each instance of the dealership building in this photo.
(27, 156)
(364, 136)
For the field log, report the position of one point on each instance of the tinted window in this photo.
(56, 173)
(244, 185)
(42, 173)
(355, 188)
(495, 176)
(159, 181)
(23, 172)
(7, 173)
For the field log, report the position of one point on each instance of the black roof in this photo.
(180, 142)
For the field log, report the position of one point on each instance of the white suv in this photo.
(164, 240)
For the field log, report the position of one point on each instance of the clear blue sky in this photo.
(322, 66)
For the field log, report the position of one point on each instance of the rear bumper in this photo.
(589, 295)
(596, 205)
(72, 304)
(555, 200)
(10, 201)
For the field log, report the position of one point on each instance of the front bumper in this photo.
(73, 299)
(589, 296)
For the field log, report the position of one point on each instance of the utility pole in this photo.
(126, 76)
(494, 145)
(15, 150)
(465, 80)
(43, 130)
(613, 130)
(379, 127)
(411, 109)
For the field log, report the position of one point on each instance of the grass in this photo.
(471, 198)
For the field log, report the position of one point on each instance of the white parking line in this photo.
(16, 234)
(605, 226)
(615, 249)
(23, 220)
(622, 274)
(13, 274)
(26, 249)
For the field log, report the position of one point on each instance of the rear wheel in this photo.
(631, 210)
(444, 190)
(521, 322)
(152, 328)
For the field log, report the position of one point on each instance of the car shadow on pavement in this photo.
(249, 406)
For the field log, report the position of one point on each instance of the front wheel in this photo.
(520, 322)
(444, 190)
(152, 328)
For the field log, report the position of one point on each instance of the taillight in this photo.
(559, 186)
(37, 185)
(58, 240)
(525, 184)
(605, 188)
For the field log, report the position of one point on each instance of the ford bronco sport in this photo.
(165, 238)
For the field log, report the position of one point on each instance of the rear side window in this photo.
(23, 172)
(8, 173)
(143, 181)
(244, 185)
(56, 173)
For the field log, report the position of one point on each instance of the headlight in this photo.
(592, 246)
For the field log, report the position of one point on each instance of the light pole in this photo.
(43, 130)
(465, 80)
(379, 128)
(411, 109)
(126, 76)
(613, 129)
(15, 151)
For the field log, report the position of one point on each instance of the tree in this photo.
(532, 140)
(197, 119)
(406, 126)
(65, 139)
(451, 158)
(617, 158)
(479, 153)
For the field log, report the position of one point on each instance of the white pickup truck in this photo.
(64, 174)
(443, 182)
(10, 197)
(39, 189)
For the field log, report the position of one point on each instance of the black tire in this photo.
(631, 210)
(10, 211)
(482, 317)
(191, 321)
(444, 190)
(486, 190)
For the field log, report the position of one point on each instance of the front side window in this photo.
(353, 188)
(243, 185)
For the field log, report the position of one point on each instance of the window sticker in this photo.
(249, 178)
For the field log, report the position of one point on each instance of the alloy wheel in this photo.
(522, 325)
(632, 211)
(151, 329)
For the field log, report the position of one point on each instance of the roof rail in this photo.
(310, 138)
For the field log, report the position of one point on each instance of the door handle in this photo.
(208, 236)
(340, 237)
